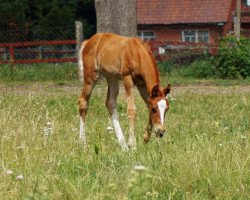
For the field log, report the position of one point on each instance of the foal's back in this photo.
(114, 55)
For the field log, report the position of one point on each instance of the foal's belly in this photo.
(115, 71)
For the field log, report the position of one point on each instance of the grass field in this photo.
(205, 154)
(62, 74)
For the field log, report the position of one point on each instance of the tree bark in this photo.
(116, 16)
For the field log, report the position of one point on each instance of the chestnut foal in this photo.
(130, 60)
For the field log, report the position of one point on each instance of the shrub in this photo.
(233, 60)
(166, 67)
(200, 69)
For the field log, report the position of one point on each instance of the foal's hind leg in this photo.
(113, 91)
(144, 94)
(131, 110)
(83, 107)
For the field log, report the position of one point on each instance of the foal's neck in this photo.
(150, 74)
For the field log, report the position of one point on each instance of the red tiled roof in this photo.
(182, 11)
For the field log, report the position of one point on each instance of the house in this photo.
(199, 21)
(245, 18)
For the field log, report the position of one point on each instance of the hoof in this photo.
(132, 144)
(125, 148)
(132, 147)
(146, 137)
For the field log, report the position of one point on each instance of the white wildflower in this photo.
(9, 172)
(20, 177)
(49, 124)
(139, 168)
(21, 147)
(109, 128)
(48, 129)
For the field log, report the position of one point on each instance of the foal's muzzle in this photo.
(160, 133)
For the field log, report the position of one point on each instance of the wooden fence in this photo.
(56, 51)
(167, 50)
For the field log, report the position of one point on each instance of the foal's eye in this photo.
(154, 110)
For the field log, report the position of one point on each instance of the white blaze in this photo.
(162, 105)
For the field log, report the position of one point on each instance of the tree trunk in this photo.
(116, 16)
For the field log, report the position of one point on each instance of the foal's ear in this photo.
(155, 91)
(166, 90)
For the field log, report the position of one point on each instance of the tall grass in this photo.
(205, 154)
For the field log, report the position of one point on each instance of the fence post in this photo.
(12, 60)
(79, 39)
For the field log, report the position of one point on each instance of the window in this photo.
(203, 36)
(188, 36)
(248, 2)
(195, 36)
(146, 35)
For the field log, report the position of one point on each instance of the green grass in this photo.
(176, 79)
(199, 72)
(205, 154)
(58, 73)
(63, 74)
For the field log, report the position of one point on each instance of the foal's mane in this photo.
(152, 58)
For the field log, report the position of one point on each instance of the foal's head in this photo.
(158, 106)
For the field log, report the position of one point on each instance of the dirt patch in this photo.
(211, 89)
(38, 88)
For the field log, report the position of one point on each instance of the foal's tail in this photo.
(80, 62)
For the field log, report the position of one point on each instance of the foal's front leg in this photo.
(131, 110)
(83, 107)
(144, 94)
(148, 131)
(113, 90)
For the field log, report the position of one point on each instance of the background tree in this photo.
(117, 16)
(23, 20)
(13, 14)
